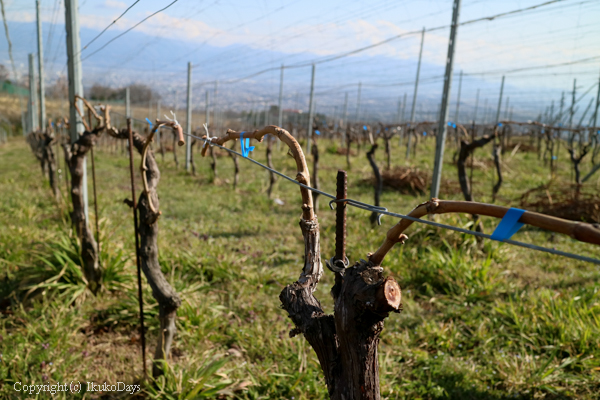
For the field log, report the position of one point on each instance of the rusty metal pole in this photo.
(137, 245)
(340, 216)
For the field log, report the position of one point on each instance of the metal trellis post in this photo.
(414, 102)
(499, 103)
(458, 98)
(280, 116)
(309, 126)
(32, 120)
(476, 106)
(358, 102)
(441, 132)
(41, 89)
(188, 129)
(75, 84)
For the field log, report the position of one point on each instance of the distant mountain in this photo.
(162, 63)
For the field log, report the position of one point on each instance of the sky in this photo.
(227, 40)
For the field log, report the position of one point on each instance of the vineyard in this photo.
(478, 318)
(152, 252)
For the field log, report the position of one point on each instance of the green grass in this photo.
(480, 320)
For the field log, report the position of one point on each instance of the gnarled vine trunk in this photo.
(346, 342)
(466, 150)
(167, 298)
(236, 168)
(174, 151)
(192, 156)
(269, 164)
(378, 181)
(75, 160)
(33, 139)
(52, 165)
(576, 160)
(41, 146)
(496, 153)
(213, 164)
(388, 154)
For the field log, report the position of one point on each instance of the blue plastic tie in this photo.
(499, 123)
(364, 127)
(424, 133)
(554, 157)
(246, 148)
(509, 225)
(148, 121)
(317, 132)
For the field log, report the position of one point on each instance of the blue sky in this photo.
(226, 40)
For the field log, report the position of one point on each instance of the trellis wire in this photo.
(384, 211)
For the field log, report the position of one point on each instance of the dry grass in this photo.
(575, 203)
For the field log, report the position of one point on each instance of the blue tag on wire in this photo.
(148, 121)
(509, 225)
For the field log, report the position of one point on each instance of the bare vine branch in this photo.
(578, 230)
(302, 176)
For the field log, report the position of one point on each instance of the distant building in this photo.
(8, 87)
